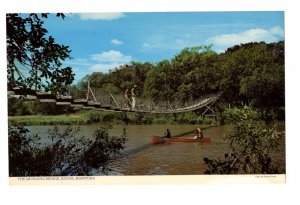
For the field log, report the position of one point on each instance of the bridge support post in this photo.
(209, 108)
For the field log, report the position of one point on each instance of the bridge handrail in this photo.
(48, 96)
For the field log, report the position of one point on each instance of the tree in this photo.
(140, 71)
(202, 79)
(250, 146)
(157, 84)
(64, 154)
(192, 72)
(253, 73)
(20, 107)
(264, 86)
(31, 48)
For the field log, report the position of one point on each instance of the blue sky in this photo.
(103, 41)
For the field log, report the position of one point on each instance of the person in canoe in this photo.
(199, 134)
(167, 134)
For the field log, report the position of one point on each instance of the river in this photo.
(143, 158)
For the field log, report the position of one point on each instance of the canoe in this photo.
(160, 140)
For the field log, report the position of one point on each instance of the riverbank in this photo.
(91, 117)
(29, 120)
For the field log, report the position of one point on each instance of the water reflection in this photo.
(142, 158)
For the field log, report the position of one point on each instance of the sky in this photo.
(104, 41)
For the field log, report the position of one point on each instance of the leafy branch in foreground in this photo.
(250, 144)
(34, 59)
(64, 153)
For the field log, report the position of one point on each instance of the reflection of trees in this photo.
(65, 154)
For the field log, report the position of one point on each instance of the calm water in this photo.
(143, 158)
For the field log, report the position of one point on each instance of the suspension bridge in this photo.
(116, 103)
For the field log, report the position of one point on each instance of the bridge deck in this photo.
(113, 106)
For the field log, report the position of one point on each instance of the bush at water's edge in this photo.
(92, 117)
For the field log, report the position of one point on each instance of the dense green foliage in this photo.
(64, 154)
(250, 146)
(24, 107)
(138, 118)
(251, 73)
(34, 60)
(240, 73)
(246, 74)
(92, 117)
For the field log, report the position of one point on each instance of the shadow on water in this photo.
(135, 150)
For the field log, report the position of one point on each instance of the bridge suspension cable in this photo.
(113, 104)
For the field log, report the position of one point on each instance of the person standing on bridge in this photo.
(133, 97)
(127, 100)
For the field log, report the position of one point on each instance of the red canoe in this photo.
(160, 140)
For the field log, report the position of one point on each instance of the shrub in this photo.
(250, 146)
(65, 154)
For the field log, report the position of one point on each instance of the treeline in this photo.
(18, 107)
(251, 74)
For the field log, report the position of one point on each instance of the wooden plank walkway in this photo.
(49, 97)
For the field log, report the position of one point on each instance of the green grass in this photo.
(91, 117)
(73, 119)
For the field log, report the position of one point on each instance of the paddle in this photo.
(190, 132)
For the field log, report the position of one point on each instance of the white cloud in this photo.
(102, 62)
(171, 42)
(111, 56)
(108, 60)
(116, 42)
(166, 44)
(104, 67)
(221, 42)
(101, 16)
(147, 45)
(180, 42)
(277, 31)
(78, 62)
(80, 67)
